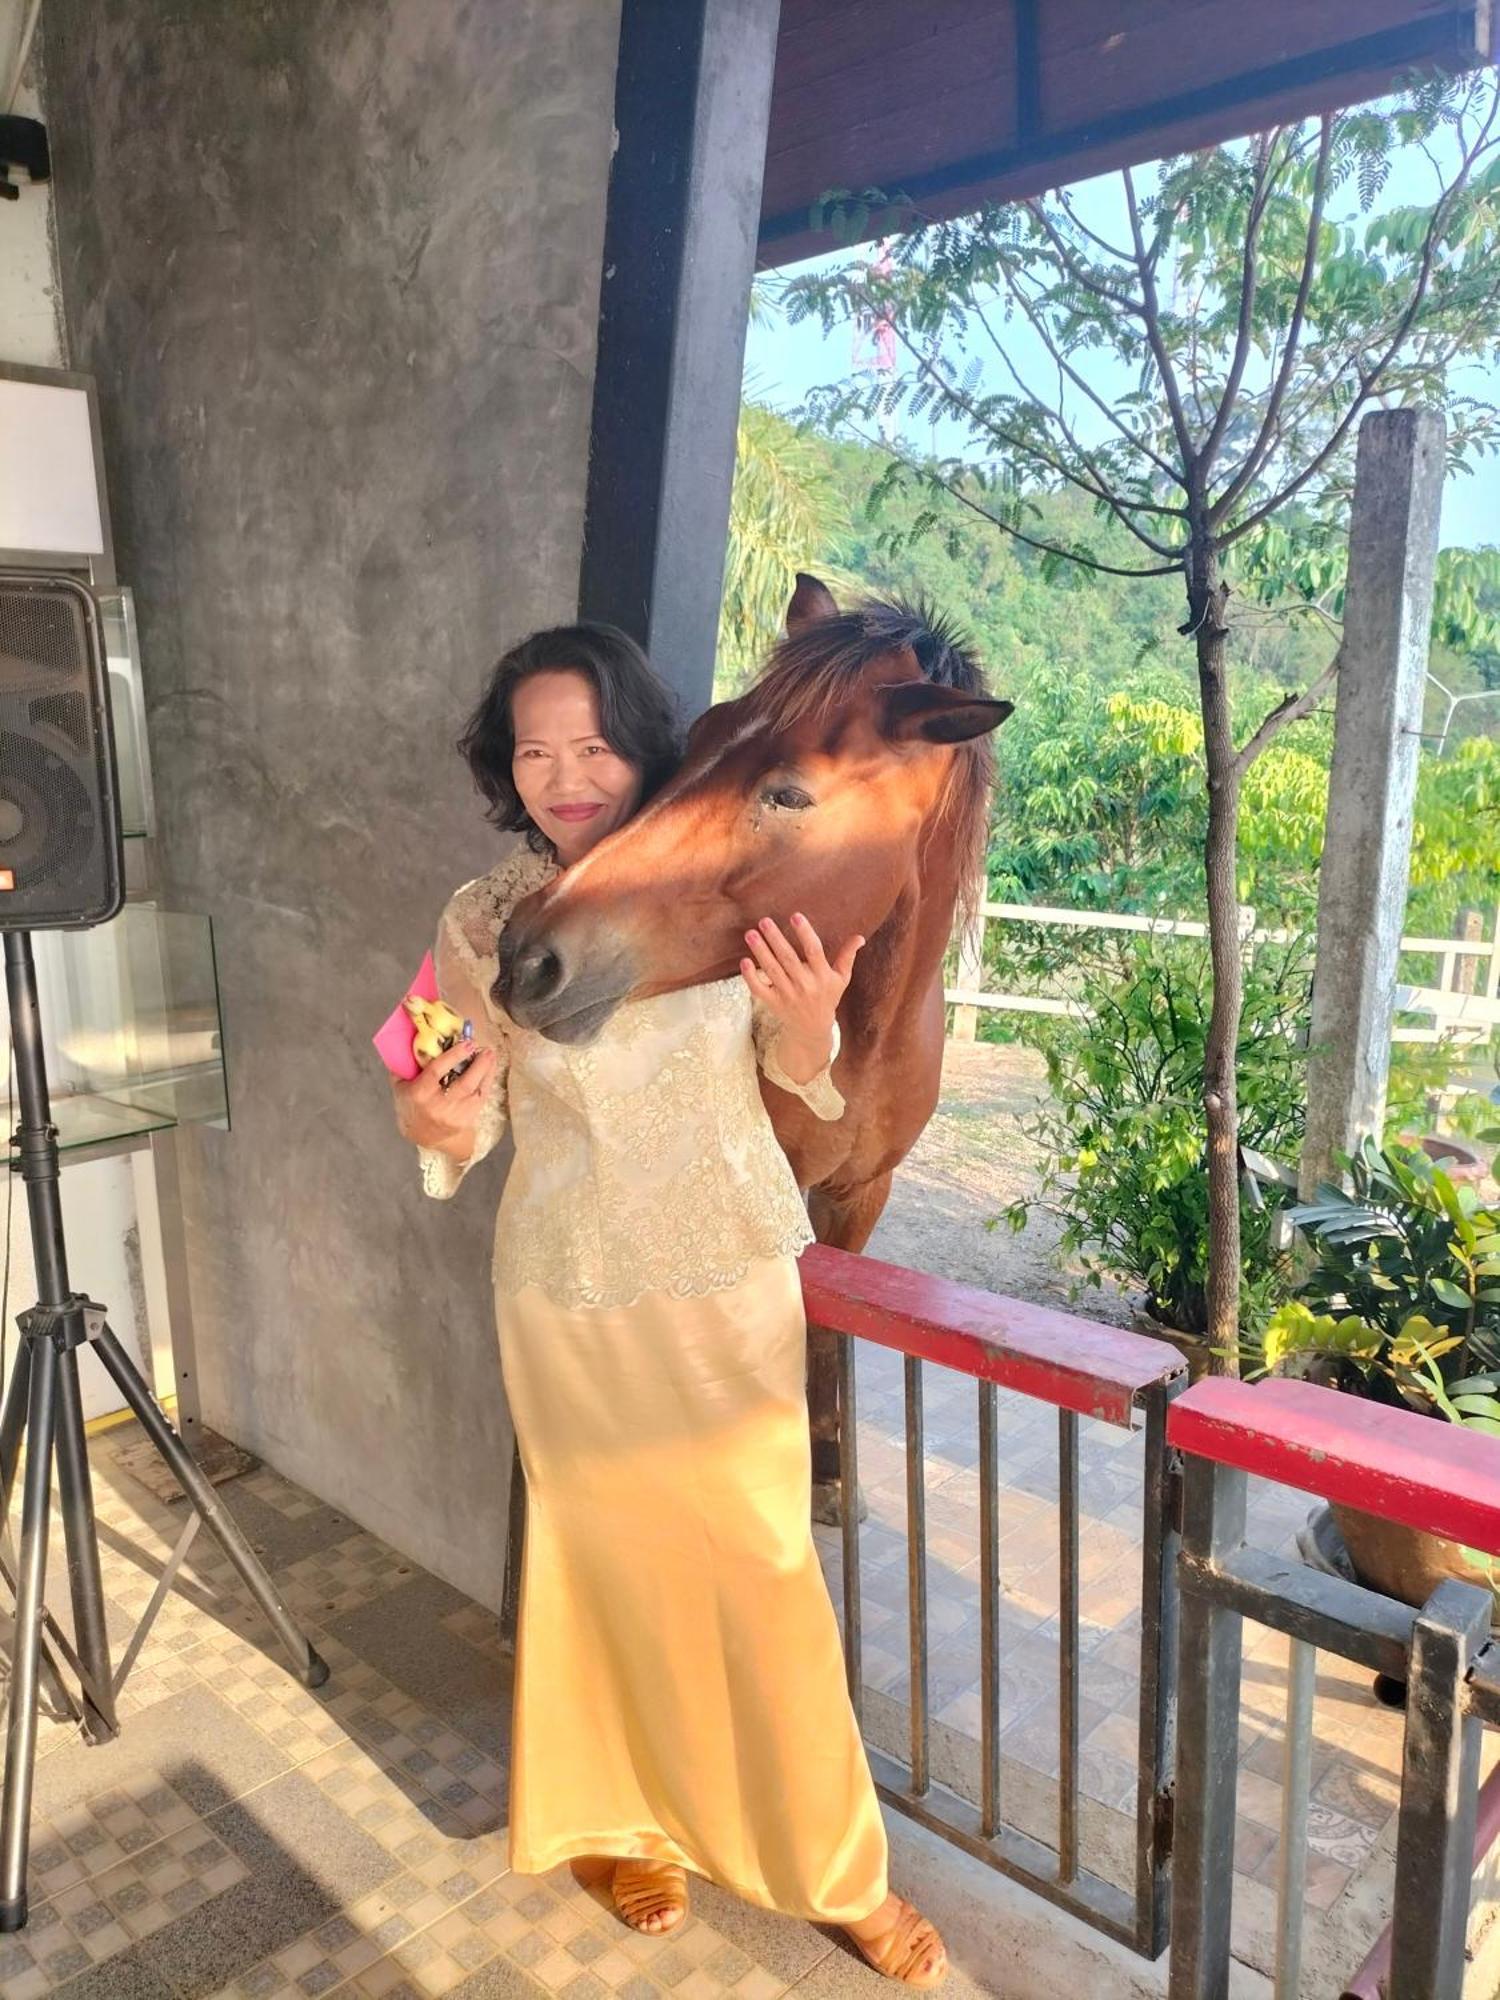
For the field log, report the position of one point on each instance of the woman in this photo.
(680, 1698)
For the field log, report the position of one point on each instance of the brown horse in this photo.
(851, 783)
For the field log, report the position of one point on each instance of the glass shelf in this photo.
(128, 709)
(86, 1122)
(131, 1027)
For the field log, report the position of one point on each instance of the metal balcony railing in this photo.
(1081, 1370)
(1405, 1468)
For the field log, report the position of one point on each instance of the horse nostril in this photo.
(538, 974)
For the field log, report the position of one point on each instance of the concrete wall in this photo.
(336, 267)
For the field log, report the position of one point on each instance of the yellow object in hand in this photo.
(437, 1027)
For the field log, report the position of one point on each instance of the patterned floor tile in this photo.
(91, 1921)
(479, 1628)
(287, 1842)
(96, 1834)
(351, 1573)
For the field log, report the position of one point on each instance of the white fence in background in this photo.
(1463, 1009)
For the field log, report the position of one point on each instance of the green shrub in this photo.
(1127, 1135)
(1401, 1301)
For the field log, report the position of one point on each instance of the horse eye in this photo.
(791, 798)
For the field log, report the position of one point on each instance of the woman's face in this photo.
(575, 787)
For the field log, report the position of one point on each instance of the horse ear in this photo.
(811, 600)
(919, 712)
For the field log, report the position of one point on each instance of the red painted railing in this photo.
(1080, 1370)
(1416, 1470)
(1054, 1357)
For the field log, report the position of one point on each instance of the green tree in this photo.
(1300, 564)
(1099, 793)
(1455, 858)
(1100, 805)
(1262, 306)
(785, 512)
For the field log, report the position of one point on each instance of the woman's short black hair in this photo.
(637, 714)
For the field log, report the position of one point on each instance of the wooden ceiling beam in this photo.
(953, 104)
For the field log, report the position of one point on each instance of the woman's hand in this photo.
(801, 988)
(445, 1121)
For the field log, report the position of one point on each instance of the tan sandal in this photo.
(646, 1889)
(910, 1950)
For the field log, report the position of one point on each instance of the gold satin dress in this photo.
(680, 1690)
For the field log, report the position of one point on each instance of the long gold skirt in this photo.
(680, 1690)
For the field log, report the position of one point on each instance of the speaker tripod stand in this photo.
(43, 1405)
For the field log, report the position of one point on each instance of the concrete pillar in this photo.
(1362, 886)
(336, 269)
(692, 107)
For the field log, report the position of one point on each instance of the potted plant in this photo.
(1401, 1303)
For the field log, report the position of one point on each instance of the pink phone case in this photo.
(395, 1039)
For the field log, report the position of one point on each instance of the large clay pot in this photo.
(1458, 1159)
(1193, 1347)
(1401, 1562)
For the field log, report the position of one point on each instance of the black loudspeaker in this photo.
(60, 855)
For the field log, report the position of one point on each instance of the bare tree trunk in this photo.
(1207, 596)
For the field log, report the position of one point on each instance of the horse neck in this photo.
(905, 955)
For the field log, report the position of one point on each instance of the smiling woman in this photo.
(573, 733)
(571, 779)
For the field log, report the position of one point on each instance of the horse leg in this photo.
(844, 1221)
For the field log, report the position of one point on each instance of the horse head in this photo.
(853, 770)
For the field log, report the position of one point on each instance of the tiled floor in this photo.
(246, 1837)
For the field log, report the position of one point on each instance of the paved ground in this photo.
(249, 1840)
(971, 1163)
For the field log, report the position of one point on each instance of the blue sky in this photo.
(783, 362)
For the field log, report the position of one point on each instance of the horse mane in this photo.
(812, 673)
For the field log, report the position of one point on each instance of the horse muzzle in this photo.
(562, 993)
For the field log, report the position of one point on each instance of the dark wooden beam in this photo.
(1071, 94)
(692, 105)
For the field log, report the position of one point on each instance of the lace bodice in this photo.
(644, 1161)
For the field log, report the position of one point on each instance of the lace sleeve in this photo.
(463, 981)
(819, 1093)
